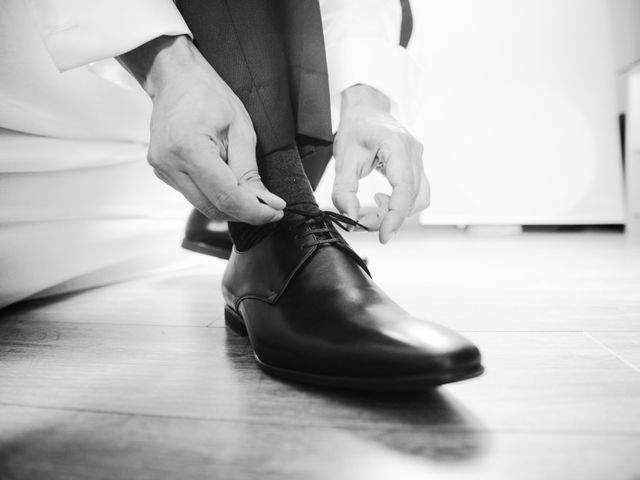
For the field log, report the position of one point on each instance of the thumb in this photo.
(372, 220)
(252, 182)
(242, 162)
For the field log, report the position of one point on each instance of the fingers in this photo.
(242, 162)
(401, 175)
(372, 220)
(345, 185)
(215, 179)
(423, 200)
(252, 182)
(403, 169)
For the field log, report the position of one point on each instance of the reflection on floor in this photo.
(141, 380)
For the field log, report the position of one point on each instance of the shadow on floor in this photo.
(428, 424)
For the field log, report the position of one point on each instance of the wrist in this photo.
(156, 63)
(364, 96)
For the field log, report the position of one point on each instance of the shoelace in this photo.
(319, 225)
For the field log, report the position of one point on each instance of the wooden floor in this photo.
(141, 381)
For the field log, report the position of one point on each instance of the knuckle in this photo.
(224, 200)
(384, 153)
(396, 143)
(412, 197)
(211, 212)
(177, 150)
(162, 155)
(152, 159)
(408, 141)
(427, 194)
(178, 137)
(251, 177)
(155, 160)
(415, 190)
(339, 198)
(422, 203)
(247, 134)
(411, 203)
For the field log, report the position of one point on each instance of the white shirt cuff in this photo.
(380, 64)
(78, 32)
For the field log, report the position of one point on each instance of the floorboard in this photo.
(141, 380)
(625, 345)
(43, 444)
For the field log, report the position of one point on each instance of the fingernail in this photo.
(390, 235)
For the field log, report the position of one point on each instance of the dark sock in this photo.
(283, 175)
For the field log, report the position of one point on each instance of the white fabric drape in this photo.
(78, 204)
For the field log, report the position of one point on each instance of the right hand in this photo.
(202, 139)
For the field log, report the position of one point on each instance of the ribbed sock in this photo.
(283, 175)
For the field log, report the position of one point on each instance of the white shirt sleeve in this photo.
(78, 32)
(362, 43)
(361, 39)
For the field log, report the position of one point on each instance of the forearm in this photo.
(161, 61)
(362, 95)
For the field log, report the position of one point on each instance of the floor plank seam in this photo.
(110, 324)
(351, 427)
(568, 330)
(215, 324)
(515, 331)
(612, 352)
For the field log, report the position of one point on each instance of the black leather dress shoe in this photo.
(207, 236)
(312, 313)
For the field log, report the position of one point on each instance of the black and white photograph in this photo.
(319, 239)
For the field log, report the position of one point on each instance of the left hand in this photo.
(369, 137)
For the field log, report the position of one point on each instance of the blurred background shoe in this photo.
(206, 236)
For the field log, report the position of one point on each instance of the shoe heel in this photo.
(234, 322)
(203, 248)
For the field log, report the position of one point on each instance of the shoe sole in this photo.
(402, 383)
(206, 249)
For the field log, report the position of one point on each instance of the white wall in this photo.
(625, 19)
(519, 119)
